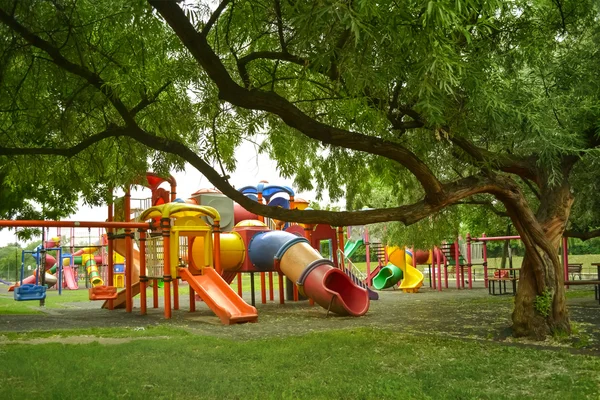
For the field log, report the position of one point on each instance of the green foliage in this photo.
(543, 303)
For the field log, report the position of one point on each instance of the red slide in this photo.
(70, 280)
(220, 297)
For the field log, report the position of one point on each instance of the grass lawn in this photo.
(358, 363)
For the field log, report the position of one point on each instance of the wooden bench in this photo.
(502, 285)
(574, 269)
(596, 284)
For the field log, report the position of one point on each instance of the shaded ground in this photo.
(463, 314)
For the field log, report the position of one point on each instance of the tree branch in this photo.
(214, 17)
(271, 102)
(523, 167)
(582, 235)
(488, 204)
(113, 131)
(146, 101)
(407, 214)
(58, 59)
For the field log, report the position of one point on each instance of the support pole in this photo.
(252, 294)
(155, 293)
(433, 273)
(485, 264)
(469, 264)
(165, 226)
(175, 293)
(128, 254)
(239, 284)
(368, 256)
(340, 234)
(271, 294)
(192, 300)
(439, 266)
(143, 276)
(263, 291)
(457, 262)
(281, 288)
(111, 251)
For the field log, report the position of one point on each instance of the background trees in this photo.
(437, 103)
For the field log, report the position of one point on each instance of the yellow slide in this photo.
(119, 247)
(413, 278)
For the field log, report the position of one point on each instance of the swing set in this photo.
(37, 290)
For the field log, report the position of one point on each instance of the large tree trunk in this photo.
(540, 306)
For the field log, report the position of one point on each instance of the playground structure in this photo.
(182, 240)
(208, 241)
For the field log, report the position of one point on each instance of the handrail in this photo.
(351, 267)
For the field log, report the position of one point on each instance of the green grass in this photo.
(133, 332)
(361, 363)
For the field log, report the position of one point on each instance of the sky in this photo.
(251, 168)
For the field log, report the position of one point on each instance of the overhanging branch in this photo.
(582, 235)
(523, 167)
(62, 62)
(273, 103)
(407, 214)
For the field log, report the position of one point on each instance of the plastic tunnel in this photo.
(316, 277)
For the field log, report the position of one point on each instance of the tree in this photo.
(440, 101)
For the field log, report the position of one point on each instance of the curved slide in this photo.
(413, 278)
(315, 276)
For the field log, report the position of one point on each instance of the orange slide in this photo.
(219, 296)
(119, 247)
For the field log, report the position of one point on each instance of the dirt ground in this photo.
(467, 314)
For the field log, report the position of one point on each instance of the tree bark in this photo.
(542, 276)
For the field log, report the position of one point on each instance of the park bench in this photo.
(574, 269)
(596, 284)
(502, 285)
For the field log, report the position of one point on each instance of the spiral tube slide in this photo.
(315, 276)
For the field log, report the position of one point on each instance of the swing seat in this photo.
(103, 293)
(30, 291)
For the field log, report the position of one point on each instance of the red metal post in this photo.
(340, 233)
(128, 255)
(192, 300)
(155, 293)
(175, 293)
(433, 274)
(271, 294)
(457, 261)
(143, 276)
(485, 263)
(368, 256)
(281, 294)
(295, 292)
(111, 251)
(165, 226)
(439, 267)
(263, 291)
(239, 283)
(469, 264)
